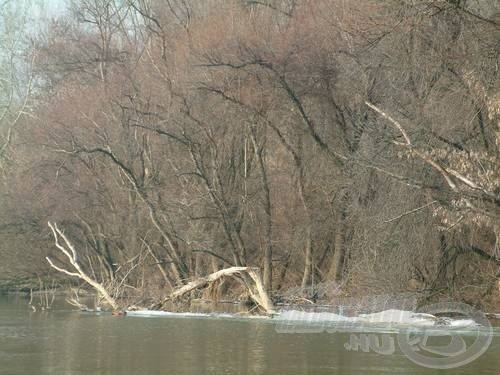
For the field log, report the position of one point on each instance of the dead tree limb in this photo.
(450, 175)
(410, 212)
(202, 281)
(256, 289)
(69, 251)
(259, 295)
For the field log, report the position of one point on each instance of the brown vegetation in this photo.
(316, 140)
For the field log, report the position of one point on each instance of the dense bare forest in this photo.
(318, 140)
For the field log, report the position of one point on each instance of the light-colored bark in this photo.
(259, 295)
(256, 288)
(447, 173)
(308, 262)
(202, 281)
(268, 223)
(69, 251)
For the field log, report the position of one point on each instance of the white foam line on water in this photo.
(167, 314)
(153, 313)
(388, 318)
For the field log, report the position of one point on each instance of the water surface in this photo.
(68, 342)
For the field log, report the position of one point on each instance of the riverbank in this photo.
(200, 296)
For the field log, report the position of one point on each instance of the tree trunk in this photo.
(256, 289)
(268, 246)
(336, 271)
(308, 268)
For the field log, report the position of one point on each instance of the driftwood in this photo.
(69, 251)
(251, 279)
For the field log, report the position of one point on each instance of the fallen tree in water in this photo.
(249, 276)
(69, 251)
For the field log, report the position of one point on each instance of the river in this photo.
(63, 341)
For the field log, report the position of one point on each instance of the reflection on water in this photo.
(66, 342)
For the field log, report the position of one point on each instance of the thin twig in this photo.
(410, 212)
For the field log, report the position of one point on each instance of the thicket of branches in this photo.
(320, 140)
